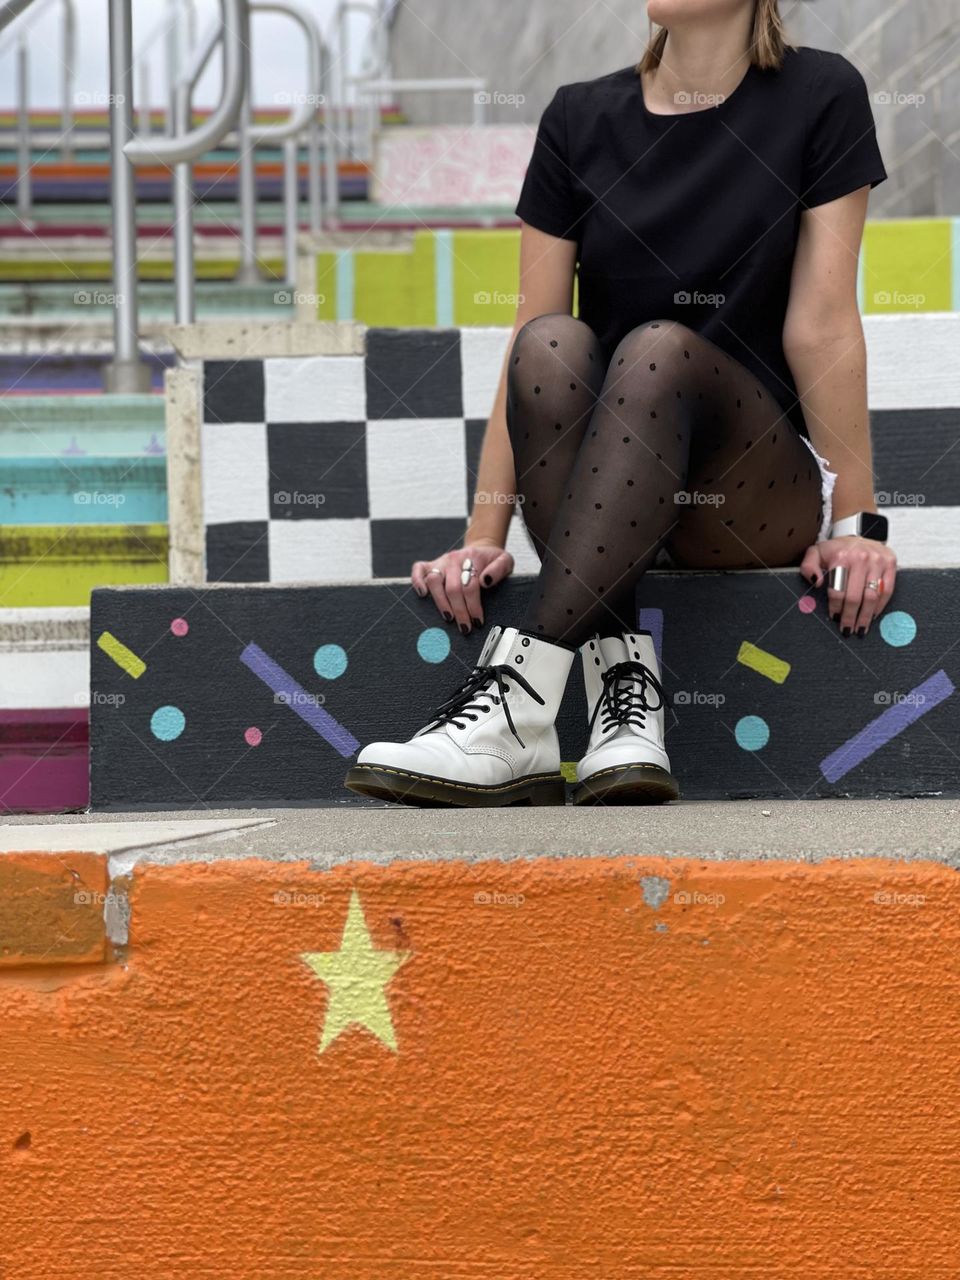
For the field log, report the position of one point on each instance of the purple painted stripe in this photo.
(652, 620)
(894, 720)
(298, 700)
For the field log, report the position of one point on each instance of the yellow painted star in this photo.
(356, 977)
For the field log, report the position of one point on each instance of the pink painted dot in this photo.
(253, 736)
(807, 604)
(179, 626)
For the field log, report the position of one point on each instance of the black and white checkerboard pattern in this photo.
(348, 468)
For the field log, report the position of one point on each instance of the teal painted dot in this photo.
(167, 723)
(330, 661)
(898, 628)
(752, 732)
(433, 645)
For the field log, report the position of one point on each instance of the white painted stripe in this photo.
(913, 362)
(45, 679)
(925, 537)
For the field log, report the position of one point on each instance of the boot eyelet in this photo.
(597, 661)
(518, 658)
(525, 641)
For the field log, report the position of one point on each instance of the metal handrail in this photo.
(167, 29)
(337, 111)
(302, 119)
(127, 372)
(19, 38)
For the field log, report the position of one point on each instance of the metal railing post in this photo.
(67, 70)
(291, 202)
(247, 272)
(183, 258)
(127, 371)
(24, 150)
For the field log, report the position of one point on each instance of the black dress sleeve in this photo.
(841, 151)
(547, 195)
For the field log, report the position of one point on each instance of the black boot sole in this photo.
(421, 791)
(628, 784)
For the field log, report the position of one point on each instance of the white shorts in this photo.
(828, 479)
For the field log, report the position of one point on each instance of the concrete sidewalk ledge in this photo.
(611, 1066)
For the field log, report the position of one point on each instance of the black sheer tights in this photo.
(673, 444)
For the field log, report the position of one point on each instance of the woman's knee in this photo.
(554, 337)
(662, 343)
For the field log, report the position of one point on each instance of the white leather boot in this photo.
(625, 761)
(492, 743)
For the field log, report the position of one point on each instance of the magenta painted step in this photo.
(44, 760)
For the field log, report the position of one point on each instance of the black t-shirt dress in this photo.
(695, 217)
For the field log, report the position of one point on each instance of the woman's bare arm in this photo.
(825, 348)
(547, 266)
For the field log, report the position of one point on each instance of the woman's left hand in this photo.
(865, 561)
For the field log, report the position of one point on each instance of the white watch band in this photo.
(849, 524)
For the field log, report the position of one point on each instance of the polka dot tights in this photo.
(672, 443)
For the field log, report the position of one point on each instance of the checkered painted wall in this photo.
(347, 468)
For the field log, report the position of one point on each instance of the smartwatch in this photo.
(865, 524)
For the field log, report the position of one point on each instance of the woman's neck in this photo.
(701, 64)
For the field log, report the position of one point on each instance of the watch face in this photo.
(873, 526)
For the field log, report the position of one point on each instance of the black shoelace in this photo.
(624, 697)
(464, 706)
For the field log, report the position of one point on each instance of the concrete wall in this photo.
(903, 47)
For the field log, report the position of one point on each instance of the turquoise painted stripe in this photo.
(955, 246)
(346, 285)
(84, 491)
(443, 263)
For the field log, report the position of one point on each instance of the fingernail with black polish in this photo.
(486, 579)
(464, 628)
(476, 621)
(846, 631)
(862, 631)
(448, 616)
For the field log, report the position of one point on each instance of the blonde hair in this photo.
(767, 44)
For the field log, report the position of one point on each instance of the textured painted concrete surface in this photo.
(620, 1068)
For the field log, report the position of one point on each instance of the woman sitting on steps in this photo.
(712, 201)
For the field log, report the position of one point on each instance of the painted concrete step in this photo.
(264, 694)
(63, 373)
(85, 301)
(546, 1058)
(40, 426)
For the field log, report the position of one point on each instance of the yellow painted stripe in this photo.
(121, 655)
(569, 770)
(766, 664)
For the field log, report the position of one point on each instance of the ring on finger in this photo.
(433, 570)
(466, 574)
(838, 577)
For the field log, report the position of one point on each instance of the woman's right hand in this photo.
(456, 602)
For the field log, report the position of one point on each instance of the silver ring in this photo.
(434, 570)
(466, 575)
(467, 563)
(874, 584)
(838, 577)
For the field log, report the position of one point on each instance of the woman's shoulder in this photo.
(610, 87)
(819, 70)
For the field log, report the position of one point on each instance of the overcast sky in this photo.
(278, 54)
